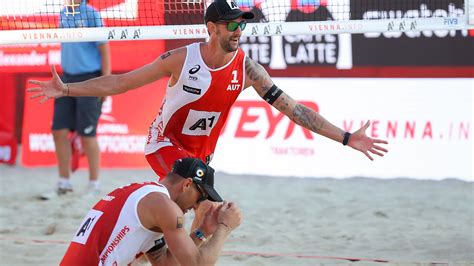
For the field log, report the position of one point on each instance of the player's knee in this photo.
(60, 134)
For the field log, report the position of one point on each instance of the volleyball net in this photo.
(40, 21)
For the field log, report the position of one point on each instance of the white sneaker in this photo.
(62, 188)
(93, 189)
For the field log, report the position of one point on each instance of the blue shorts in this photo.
(80, 114)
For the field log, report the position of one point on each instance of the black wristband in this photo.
(272, 94)
(347, 135)
(158, 245)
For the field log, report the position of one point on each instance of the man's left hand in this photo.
(361, 142)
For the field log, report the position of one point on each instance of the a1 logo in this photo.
(232, 4)
(200, 123)
(86, 226)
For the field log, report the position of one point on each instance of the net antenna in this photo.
(27, 21)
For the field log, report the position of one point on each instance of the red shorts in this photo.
(162, 160)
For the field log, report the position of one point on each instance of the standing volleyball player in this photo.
(205, 80)
(79, 61)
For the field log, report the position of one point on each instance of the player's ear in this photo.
(187, 183)
(211, 27)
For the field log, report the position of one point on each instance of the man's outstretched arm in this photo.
(107, 85)
(259, 78)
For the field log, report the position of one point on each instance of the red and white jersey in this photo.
(111, 233)
(195, 109)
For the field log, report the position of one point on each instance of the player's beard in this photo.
(225, 43)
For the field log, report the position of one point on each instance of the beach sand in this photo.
(286, 221)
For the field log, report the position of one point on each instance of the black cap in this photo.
(225, 10)
(201, 173)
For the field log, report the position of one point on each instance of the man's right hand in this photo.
(229, 216)
(53, 88)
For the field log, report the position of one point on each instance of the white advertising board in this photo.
(428, 123)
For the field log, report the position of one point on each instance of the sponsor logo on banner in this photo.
(48, 35)
(411, 47)
(281, 52)
(276, 121)
(267, 30)
(201, 30)
(416, 129)
(8, 147)
(5, 153)
(113, 137)
(29, 58)
(318, 28)
(121, 132)
(421, 135)
(401, 25)
(124, 34)
(412, 129)
(451, 21)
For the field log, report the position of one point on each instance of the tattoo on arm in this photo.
(156, 255)
(283, 103)
(306, 117)
(165, 55)
(179, 222)
(251, 69)
(258, 75)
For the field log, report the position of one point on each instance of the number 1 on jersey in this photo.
(234, 77)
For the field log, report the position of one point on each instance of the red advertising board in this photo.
(121, 134)
(36, 58)
(8, 145)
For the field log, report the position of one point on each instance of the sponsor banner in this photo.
(36, 58)
(428, 123)
(29, 57)
(8, 148)
(8, 142)
(44, 14)
(121, 132)
(412, 48)
(347, 51)
(282, 52)
(7, 102)
(424, 121)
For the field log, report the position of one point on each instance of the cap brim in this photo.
(212, 194)
(240, 13)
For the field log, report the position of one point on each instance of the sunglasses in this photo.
(203, 195)
(232, 25)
